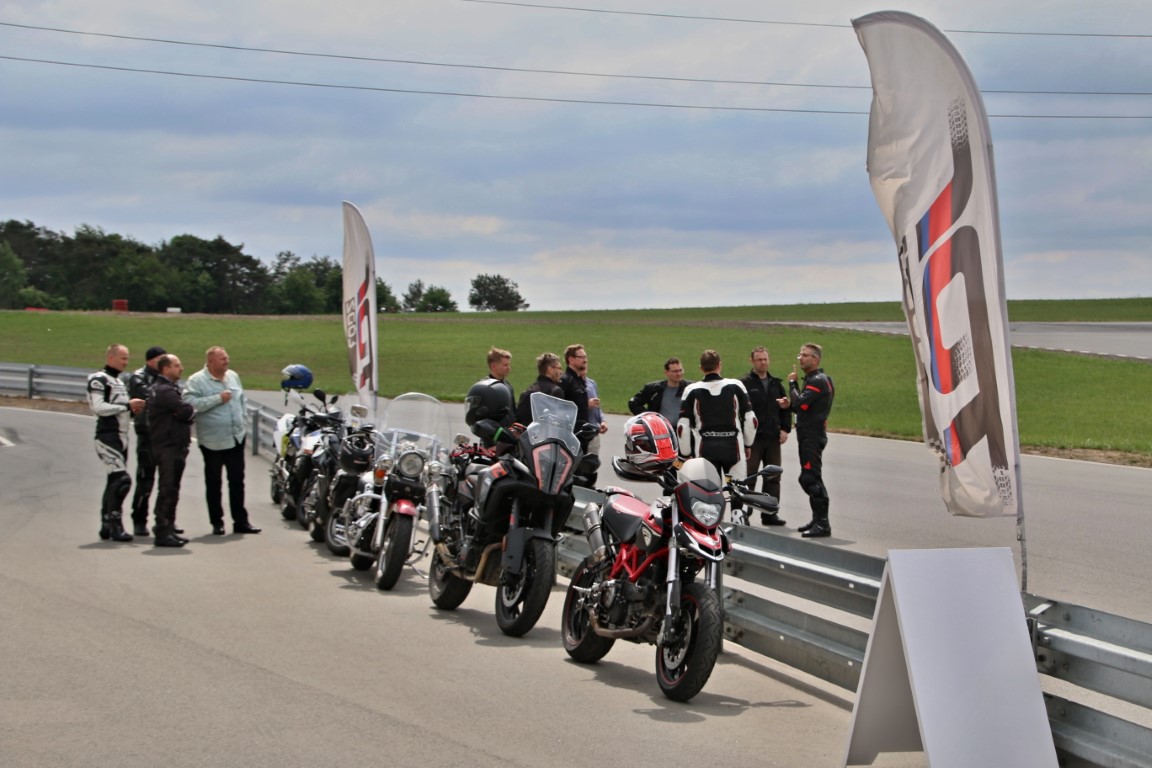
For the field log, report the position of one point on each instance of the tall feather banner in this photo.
(930, 165)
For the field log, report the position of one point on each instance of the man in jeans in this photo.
(221, 430)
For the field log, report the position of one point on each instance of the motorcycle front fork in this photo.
(673, 584)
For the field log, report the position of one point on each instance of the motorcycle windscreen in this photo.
(553, 467)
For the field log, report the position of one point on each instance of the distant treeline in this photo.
(90, 269)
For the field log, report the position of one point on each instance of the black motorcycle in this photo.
(296, 437)
(503, 515)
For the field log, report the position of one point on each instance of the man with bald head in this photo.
(108, 398)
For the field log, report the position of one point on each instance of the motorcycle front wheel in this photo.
(521, 601)
(393, 552)
(309, 497)
(580, 642)
(336, 533)
(684, 665)
(446, 588)
(276, 491)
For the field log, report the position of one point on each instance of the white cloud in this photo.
(581, 205)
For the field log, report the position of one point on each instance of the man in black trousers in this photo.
(170, 419)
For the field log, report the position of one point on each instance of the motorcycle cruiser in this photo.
(654, 568)
(381, 524)
(506, 516)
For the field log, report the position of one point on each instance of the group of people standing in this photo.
(213, 399)
(740, 425)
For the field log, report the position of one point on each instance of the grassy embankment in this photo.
(1064, 402)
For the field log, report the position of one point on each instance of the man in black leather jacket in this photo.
(662, 397)
(140, 386)
(812, 404)
(170, 419)
(773, 423)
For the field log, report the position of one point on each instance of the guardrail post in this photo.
(31, 380)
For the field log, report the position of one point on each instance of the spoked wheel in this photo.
(336, 532)
(684, 664)
(447, 589)
(393, 552)
(581, 643)
(521, 601)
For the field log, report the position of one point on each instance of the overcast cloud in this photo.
(583, 205)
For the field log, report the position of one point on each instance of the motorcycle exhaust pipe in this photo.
(595, 536)
(620, 634)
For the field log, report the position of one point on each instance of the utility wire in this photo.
(548, 99)
(789, 23)
(529, 70)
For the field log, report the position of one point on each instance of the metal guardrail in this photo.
(1098, 653)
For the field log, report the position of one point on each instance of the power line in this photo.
(546, 99)
(788, 23)
(531, 70)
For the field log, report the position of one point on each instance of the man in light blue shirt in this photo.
(221, 429)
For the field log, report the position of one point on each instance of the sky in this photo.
(690, 191)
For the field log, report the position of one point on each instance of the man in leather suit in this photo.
(108, 398)
(812, 404)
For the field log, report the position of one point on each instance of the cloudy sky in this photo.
(619, 153)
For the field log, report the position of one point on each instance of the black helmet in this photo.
(296, 376)
(356, 453)
(489, 399)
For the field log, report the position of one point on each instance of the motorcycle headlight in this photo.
(411, 464)
(435, 469)
(707, 514)
(382, 467)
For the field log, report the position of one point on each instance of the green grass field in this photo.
(1063, 401)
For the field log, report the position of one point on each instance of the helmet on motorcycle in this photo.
(489, 399)
(356, 453)
(649, 443)
(296, 376)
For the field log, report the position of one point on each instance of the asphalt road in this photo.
(266, 650)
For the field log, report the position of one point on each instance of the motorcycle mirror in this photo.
(359, 411)
(319, 394)
(461, 439)
(334, 399)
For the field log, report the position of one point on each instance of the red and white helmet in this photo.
(650, 443)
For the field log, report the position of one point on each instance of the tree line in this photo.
(91, 268)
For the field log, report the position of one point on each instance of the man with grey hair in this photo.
(221, 430)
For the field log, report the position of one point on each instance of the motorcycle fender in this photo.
(515, 542)
(404, 507)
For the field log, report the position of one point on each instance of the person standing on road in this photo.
(490, 405)
(716, 420)
(217, 395)
(773, 424)
(549, 369)
(812, 404)
(663, 397)
(109, 400)
(139, 386)
(170, 419)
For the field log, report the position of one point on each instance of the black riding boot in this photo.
(819, 527)
(115, 528)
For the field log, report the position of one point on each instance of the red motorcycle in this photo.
(654, 568)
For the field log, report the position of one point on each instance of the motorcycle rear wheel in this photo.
(336, 533)
(446, 588)
(393, 552)
(580, 642)
(684, 666)
(520, 603)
